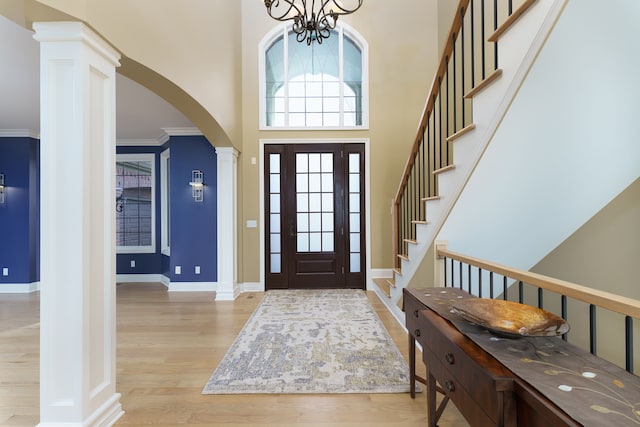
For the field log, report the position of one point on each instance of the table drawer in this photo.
(473, 412)
(489, 385)
(412, 308)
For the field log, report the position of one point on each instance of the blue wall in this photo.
(19, 215)
(193, 224)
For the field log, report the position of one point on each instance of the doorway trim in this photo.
(367, 199)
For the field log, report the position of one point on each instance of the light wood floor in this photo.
(168, 346)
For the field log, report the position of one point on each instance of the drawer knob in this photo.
(415, 313)
(449, 358)
(417, 332)
(449, 386)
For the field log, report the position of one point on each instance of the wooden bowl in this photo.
(511, 319)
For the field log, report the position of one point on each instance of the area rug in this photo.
(312, 341)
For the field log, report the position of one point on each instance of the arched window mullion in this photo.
(341, 72)
(285, 38)
(338, 99)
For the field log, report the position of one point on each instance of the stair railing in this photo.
(469, 58)
(490, 280)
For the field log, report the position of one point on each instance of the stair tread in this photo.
(486, 82)
(461, 132)
(511, 20)
(430, 198)
(444, 169)
(384, 285)
(412, 241)
(403, 256)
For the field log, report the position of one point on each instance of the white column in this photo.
(77, 308)
(227, 224)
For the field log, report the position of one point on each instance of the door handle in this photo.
(292, 230)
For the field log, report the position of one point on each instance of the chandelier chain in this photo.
(312, 23)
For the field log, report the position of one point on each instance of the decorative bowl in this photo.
(510, 319)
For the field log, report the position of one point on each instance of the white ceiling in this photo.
(140, 114)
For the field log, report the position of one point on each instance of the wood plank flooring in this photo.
(168, 346)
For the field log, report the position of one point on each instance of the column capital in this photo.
(227, 151)
(75, 31)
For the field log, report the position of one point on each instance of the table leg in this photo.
(412, 366)
(432, 418)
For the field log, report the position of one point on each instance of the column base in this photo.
(227, 291)
(105, 416)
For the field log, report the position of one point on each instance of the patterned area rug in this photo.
(312, 341)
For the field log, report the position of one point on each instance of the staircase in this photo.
(490, 50)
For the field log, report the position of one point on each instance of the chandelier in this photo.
(312, 22)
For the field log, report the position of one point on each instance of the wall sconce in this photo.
(197, 185)
(2, 190)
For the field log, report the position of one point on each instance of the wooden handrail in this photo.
(619, 304)
(433, 92)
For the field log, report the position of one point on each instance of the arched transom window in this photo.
(313, 86)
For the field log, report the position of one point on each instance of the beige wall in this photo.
(401, 65)
(186, 52)
(602, 254)
(202, 56)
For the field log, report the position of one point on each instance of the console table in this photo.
(488, 393)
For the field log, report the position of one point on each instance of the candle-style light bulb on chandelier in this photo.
(312, 20)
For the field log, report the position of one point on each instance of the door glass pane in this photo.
(354, 163)
(275, 223)
(274, 203)
(327, 221)
(327, 162)
(315, 243)
(275, 243)
(354, 183)
(315, 222)
(354, 203)
(354, 212)
(302, 182)
(354, 262)
(275, 236)
(274, 183)
(314, 162)
(314, 202)
(303, 223)
(327, 242)
(303, 202)
(274, 163)
(327, 202)
(302, 163)
(354, 223)
(303, 242)
(327, 182)
(275, 263)
(314, 182)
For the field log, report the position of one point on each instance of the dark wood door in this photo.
(314, 228)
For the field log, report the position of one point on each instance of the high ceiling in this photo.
(140, 114)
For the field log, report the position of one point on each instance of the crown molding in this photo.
(182, 131)
(19, 133)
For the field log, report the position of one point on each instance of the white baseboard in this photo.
(381, 273)
(139, 278)
(193, 286)
(19, 288)
(251, 287)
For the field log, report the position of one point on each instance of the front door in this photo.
(314, 216)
